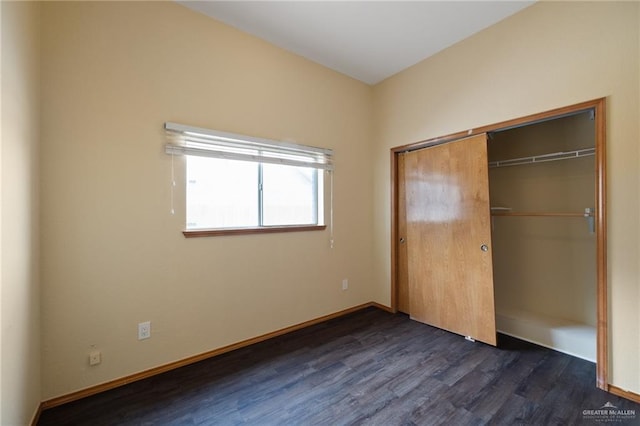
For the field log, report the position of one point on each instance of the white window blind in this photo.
(187, 140)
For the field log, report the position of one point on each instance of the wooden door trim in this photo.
(602, 299)
(599, 108)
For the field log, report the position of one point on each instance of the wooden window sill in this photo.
(248, 231)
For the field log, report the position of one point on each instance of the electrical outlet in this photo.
(95, 358)
(144, 330)
(345, 284)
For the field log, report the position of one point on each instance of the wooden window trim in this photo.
(195, 233)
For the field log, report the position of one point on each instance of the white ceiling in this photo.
(367, 40)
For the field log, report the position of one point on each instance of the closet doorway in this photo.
(545, 241)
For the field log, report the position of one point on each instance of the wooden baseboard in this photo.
(382, 307)
(64, 399)
(36, 416)
(632, 396)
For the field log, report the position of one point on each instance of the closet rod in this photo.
(544, 158)
(549, 214)
(589, 214)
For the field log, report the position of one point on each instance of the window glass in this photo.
(224, 194)
(289, 195)
(221, 193)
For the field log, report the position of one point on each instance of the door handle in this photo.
(484, 247)
(402, 240)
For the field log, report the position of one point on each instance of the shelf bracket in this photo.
(591, 222)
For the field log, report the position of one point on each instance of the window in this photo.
(240, 184)
(235, 194)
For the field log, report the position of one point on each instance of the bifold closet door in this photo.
(448, 238)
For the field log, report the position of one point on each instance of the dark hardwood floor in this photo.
(368, 368)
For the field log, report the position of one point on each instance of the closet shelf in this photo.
(568, 155)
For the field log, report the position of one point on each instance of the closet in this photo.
(502, 231)
(542, 197)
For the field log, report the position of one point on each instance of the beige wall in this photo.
(113, 73)
(549, 55)
(20, 298)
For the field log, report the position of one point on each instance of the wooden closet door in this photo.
(449, 238)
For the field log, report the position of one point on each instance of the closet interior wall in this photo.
(545, 266)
